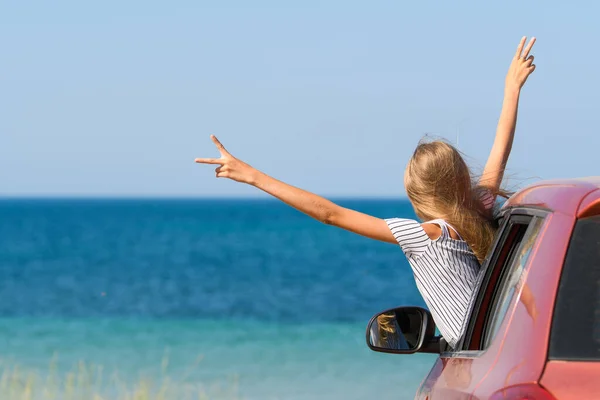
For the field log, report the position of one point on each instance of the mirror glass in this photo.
(398, 329)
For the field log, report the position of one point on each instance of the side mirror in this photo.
(403, 330)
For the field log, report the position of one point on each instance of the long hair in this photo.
(439, 185)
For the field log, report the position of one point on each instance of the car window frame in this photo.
(505, 221)
(534, 227)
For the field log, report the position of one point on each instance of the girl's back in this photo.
(445, 271)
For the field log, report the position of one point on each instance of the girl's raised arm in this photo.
(520, 68)
(315, 206)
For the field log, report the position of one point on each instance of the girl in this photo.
(444, 251)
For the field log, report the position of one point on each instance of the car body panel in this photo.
(562, 196)
(572, 380)
(590, 205)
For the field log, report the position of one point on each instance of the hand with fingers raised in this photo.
(229, 166)
(521, 66)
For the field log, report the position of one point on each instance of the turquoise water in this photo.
(239, 299)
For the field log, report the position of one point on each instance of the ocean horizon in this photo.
(155, 197)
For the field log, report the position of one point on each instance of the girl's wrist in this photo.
(253, 177)
(512, 90)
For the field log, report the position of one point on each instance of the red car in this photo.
(533, 331)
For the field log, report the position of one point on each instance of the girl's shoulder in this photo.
(410, 235)
(433, 230)
(436, 228)
(415, 237)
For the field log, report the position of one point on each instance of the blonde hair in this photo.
(385, 325)
(439, 185)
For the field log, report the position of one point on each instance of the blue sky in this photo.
(117, 98)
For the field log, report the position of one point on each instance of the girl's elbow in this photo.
(328, 218)
(330, 214)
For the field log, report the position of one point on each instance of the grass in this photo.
(92, 382)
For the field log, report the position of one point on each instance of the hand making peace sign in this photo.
(521, 66)
(229, 166)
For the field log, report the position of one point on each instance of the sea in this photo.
(196, 298)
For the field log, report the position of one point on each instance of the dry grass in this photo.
(92, 382)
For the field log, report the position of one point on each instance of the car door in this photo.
(457, 373)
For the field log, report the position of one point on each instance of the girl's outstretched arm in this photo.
(521, 67)
(315, 206)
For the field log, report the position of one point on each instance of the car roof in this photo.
(575, 196)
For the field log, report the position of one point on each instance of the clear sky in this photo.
(118, 97)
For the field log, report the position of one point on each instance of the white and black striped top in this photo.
(445, 271)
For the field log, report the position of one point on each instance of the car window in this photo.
(510, 278)
(504, 253)
(575, 333)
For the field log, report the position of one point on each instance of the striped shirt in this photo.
(445, 272)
